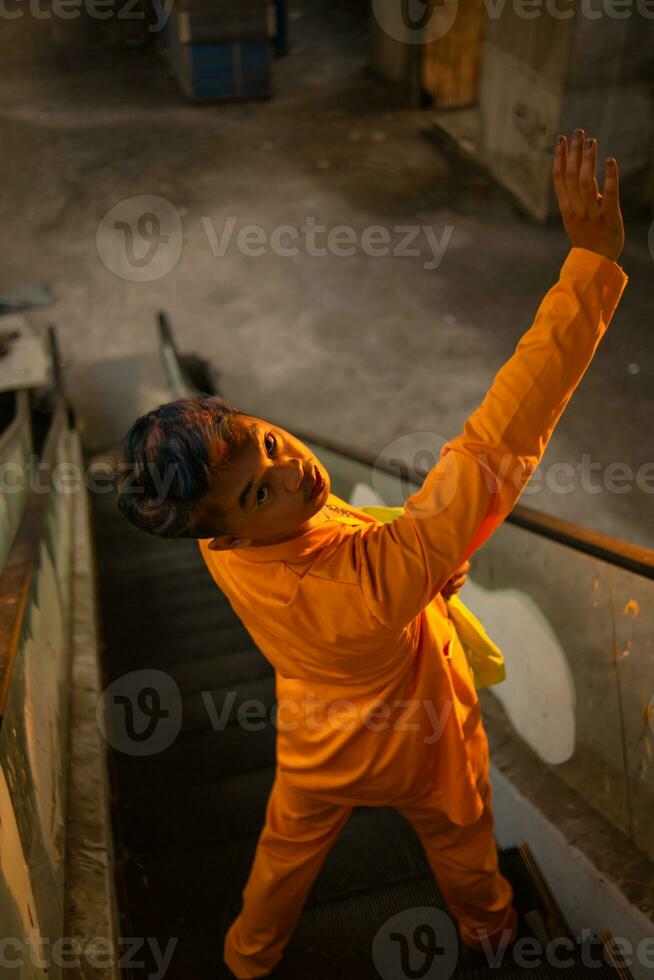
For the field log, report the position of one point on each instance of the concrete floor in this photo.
(361, 349)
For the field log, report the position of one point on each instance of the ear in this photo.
(227, 542)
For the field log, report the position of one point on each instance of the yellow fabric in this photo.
(377, 702)
(484, 656)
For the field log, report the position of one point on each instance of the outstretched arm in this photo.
(483, 471)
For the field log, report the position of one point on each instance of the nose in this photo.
(292, 474)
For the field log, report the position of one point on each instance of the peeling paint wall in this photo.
(539, 694)
(33, 738)
(17, 906)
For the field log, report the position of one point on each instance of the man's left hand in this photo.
(457, 581)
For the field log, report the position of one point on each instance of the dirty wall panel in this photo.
(33, 738)
(633, 655)
(17, 905)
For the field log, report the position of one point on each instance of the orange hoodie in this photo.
(376, 700)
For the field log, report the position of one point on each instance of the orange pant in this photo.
(296, 839)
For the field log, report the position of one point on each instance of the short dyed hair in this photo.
(170, 458)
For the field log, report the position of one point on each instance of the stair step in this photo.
(184, 890)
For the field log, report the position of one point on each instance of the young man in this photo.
(377, 704)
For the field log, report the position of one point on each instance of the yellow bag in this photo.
(484, 656)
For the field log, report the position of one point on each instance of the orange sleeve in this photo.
(483, 471)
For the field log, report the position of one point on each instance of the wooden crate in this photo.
(451, 63)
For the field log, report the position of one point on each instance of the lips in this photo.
(318, 484)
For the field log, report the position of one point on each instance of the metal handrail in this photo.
(612, 550)
(172, 361)
(18, 571)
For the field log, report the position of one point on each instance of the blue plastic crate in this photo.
(215, 72)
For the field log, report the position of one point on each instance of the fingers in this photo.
(572, 169)
(591, 220)
(558, 173)
(588, 189)
(574, 175)
(611, 196)
(457, 581)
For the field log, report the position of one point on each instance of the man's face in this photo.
(270, 490)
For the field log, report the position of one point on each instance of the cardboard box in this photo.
(451, 63)
(545, 75)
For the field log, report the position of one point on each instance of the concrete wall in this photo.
(542, 75)
(33, 754)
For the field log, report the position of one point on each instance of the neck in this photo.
(315, 521)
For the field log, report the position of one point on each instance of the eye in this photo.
(270, 443)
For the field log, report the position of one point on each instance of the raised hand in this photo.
(592, 220)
